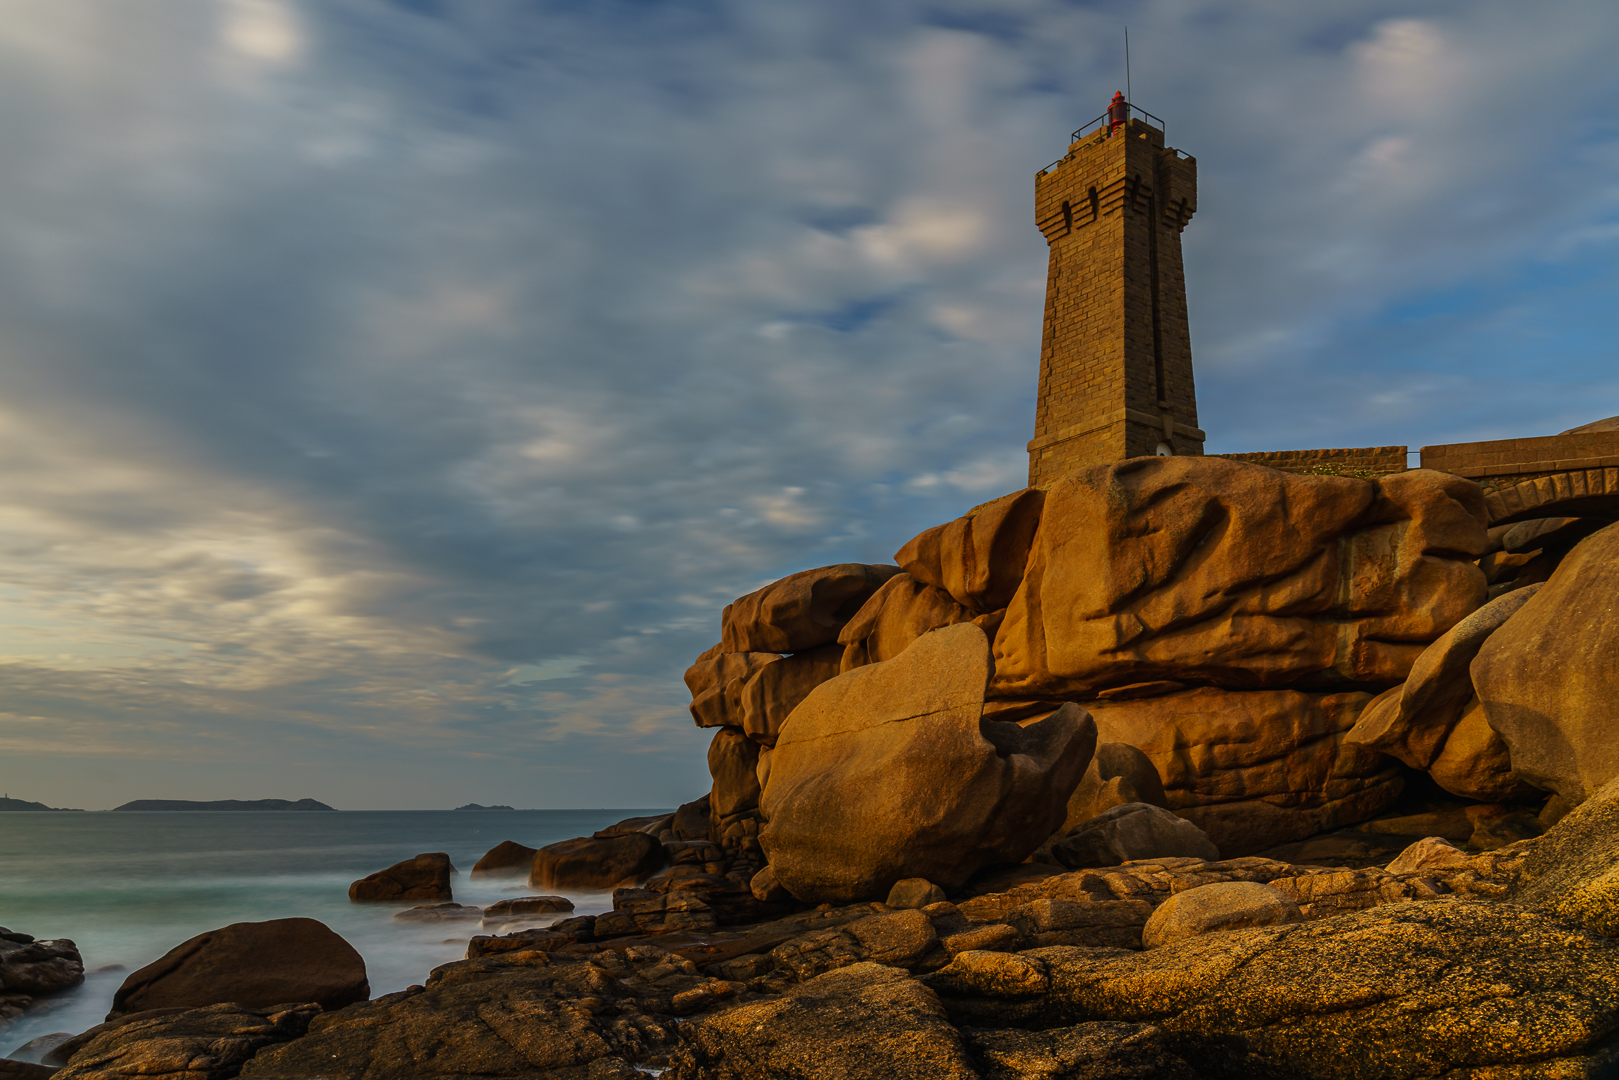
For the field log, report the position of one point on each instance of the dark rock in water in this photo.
(9, 803)
(431, 913)
(225, 804)
(37, 967)
(209, 1043)
(506, 859)
(36, 1049)
(426, 877)
(255, 964)
(527, 907)
(476, 806)
(864, 1022)
(596, 862)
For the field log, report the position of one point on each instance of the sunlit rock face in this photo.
(890, 771)
(1202, 570)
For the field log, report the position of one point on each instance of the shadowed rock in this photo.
(506, 859)
(864, 1022)
(255, 964)
(210, 1043)
(1431, 988)
(1270, 766)
(1132, 831)
(596, 862)
(1549, 678)
(35, 967)
(426, 877)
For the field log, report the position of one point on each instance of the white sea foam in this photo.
(127, 887)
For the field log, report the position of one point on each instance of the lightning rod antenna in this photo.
(1127, 94)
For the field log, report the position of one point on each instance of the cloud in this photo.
(392, 390)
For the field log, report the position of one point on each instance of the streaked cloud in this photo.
(393, 393)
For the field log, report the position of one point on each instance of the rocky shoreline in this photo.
(1497, 964)
(1164, 770)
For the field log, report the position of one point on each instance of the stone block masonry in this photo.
(1115, 355)
(1509, 460)
(1364, 462)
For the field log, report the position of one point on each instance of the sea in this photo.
(128, 886)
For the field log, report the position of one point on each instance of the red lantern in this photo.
(1118, 113)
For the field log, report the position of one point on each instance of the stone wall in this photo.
(1361, 461)
(1505, 461)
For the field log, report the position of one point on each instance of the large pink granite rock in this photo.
(1211, 571)
(890, 771)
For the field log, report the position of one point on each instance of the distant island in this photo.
(225, 804)
(8, 803)
(475, 806)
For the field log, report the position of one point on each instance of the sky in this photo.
(393, 392)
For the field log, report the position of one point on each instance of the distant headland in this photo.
(225, 804)
(8, 803)
(476, 806)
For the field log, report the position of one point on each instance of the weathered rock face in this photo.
(1425, 853)
(526, 907)
(1132, 831)
(255, 964)
(1400, 991)
(860, 1022)
(1573, 870)
(1549, 677)
(889, 772)
(1118, 774)
(716, 680)
(596, 862)
(438, 913)
(733, 761)
(914, 893)
(1422, 721)
(773, 691)
(1204, 570)
(32, 968)
(801, 611)
(506, 859)
(1096, 1051)
(197, 1044)
(518, 1017)
(1476, 764)
(426, 877)
(1256, 768)
(979, 558)
(1227, 905)
(897, 614)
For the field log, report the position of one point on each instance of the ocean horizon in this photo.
(128, 886)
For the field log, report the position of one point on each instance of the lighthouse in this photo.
(1115, 353)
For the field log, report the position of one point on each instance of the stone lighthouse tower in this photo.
(1115, 355)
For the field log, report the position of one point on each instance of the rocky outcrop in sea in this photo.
(1175, 768)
